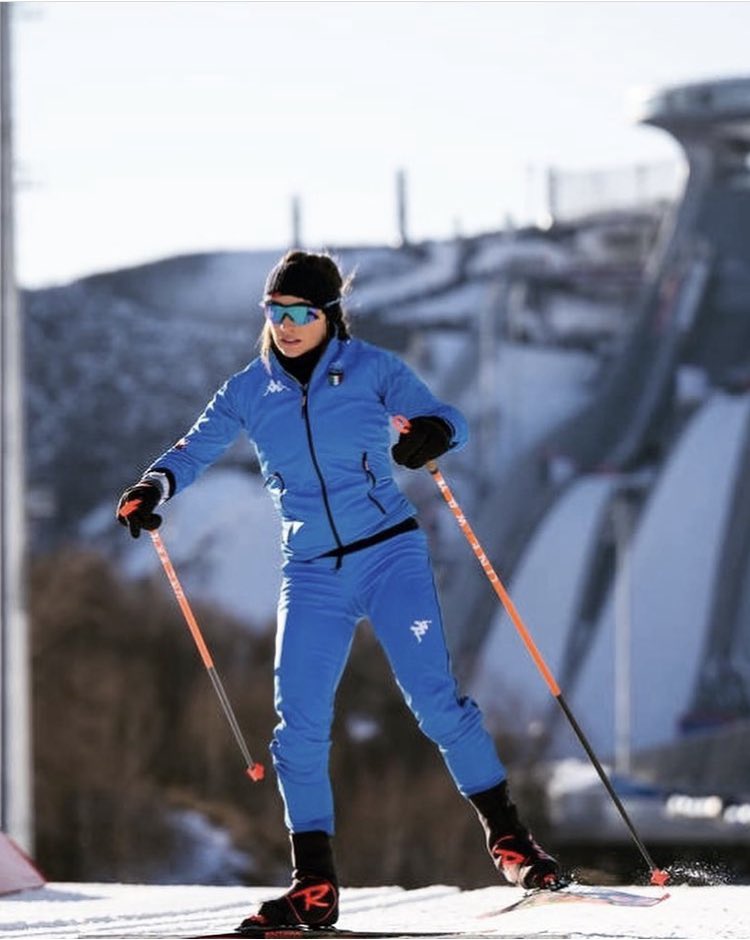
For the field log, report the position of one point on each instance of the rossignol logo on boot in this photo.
(419, 628)
(314, 895)
(275, 386)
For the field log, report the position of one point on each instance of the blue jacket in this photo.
(324, 449)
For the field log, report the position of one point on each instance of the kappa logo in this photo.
(275, 386)
(419, 628)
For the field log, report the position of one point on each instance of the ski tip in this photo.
(256, 772)
(553, 883)
(659, 877)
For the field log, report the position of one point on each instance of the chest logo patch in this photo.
(275, 386)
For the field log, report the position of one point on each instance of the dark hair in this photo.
(312, 276)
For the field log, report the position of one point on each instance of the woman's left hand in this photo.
(427, 439)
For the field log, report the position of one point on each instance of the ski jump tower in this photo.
(671, 422)
(711, 121)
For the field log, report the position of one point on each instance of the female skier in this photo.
(316, 405)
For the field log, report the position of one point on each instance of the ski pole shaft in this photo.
(658, 876)
(253, 769)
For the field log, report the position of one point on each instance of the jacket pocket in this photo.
(371, 483)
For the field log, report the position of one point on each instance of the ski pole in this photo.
(253, 769)
(658, 876)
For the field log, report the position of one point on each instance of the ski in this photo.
(535, 898)
(316, 933)
(577, 893)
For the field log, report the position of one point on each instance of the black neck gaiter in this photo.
(301, 367)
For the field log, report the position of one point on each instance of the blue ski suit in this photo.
(324, 452)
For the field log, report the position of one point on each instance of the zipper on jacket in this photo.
(319, 472)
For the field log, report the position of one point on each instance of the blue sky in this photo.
(147, 129)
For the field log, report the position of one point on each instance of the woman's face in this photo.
(293, 340)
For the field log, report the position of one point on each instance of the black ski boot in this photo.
(313, 899)
(514, 850)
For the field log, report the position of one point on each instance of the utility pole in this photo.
(16, 816)
(553, 194)
(296, 222)
(622, 517)
(401, 208)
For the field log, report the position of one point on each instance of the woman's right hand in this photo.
(136, 508)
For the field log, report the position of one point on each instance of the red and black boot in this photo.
(515, 852)
(313, 899)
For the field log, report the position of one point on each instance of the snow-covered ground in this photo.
(112, 910)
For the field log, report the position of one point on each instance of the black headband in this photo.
(301, 279)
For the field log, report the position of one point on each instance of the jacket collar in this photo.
(333, 350)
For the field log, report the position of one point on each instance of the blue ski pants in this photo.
(319, 607)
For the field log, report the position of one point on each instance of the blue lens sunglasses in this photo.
(299, 314)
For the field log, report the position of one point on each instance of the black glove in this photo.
(427, 438)
(142, 516)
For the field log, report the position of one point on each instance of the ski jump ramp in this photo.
(683, 463)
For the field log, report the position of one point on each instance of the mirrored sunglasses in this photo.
(299, 314)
